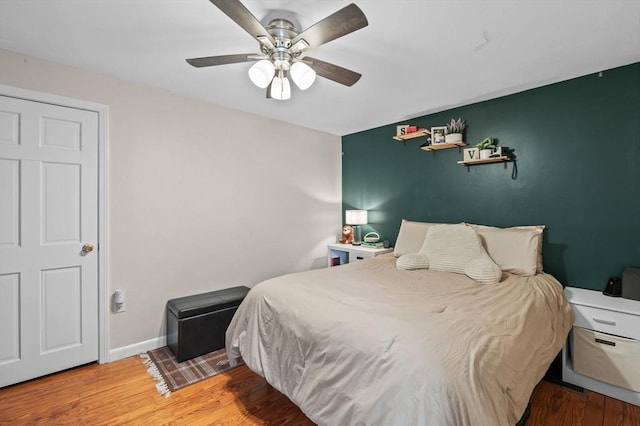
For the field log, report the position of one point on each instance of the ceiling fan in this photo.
(283, 47)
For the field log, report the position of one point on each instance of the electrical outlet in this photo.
(119, 301)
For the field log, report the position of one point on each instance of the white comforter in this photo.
(368, 344)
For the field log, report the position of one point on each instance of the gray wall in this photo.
(201, 197)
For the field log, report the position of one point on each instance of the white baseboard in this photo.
(136, 348)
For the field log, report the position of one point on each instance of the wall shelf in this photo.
(416, 134)
(440, 146)
(485, 161)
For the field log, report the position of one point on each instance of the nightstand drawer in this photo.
(608, 358)
(605, 321)
(360, 255)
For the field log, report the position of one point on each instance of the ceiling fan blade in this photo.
(333, 72)
(209, 61)
(241, 16)
(343, 22)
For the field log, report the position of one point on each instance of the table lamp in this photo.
(356, 218)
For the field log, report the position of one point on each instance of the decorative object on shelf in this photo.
(500, 151)
(356, 218)
(347, 235)
(486, 148)
(471, 154)
(438, 135)
(405, 129)
(454, 130)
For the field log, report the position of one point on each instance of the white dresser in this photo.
(605, 343)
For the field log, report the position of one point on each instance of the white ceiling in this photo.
(416, 57)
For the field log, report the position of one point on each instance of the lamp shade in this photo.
(302, 75)
(355, 217)
(261, 73)
(280, 88)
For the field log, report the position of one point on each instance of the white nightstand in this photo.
(349, 253)
(618, 318)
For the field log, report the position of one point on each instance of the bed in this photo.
(369, 343)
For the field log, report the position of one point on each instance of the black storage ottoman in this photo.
(197, 324)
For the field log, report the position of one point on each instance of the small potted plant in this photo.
(454, 130)
(486, 148)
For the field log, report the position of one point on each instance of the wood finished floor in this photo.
(123, 393)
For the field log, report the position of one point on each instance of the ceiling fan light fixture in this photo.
(302, 75)
(261, 73)
(280, 88)
(282, 45)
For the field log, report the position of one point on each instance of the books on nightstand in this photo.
(378, 244)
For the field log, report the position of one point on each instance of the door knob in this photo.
(87, 248)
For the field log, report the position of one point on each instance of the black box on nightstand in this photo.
(197, 324)
(631, 283)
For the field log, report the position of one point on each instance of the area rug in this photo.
(172, 375)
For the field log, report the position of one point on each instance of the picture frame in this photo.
(438, 134)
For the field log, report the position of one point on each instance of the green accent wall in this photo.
(577, 147)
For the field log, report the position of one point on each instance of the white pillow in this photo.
(410, 237)
(412, 261)
(457, 248)
(482, 269)
(517, 250)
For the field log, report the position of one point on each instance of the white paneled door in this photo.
(48, 238)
